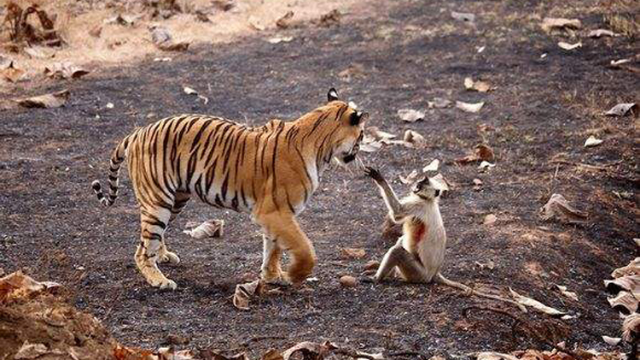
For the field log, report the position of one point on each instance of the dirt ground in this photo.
(401, 55)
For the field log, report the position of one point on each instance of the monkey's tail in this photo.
(454, 284)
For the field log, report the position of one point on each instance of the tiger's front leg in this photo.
(271, 270)
(284, 229)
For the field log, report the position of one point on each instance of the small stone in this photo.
(348, 281)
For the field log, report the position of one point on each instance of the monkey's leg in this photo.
(454, 284)
(396, 210)
(410, 268)
(284, 228)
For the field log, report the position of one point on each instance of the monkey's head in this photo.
(426, 189)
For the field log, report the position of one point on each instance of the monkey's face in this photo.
(426, 189)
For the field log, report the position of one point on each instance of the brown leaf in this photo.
(331, 18)
(12, 74)
(439, 103)
(632, 269)
(272, 354)
(285, 21)
(52, 100)
(413, 139)
(624, 303)
(18, 284)
(549, 24)
(629, 283)
(631, 328)
(65, 70)
(558, 207)
(479, 86)
(244, 293)
(171, 46)
(348, 281)
(484, 152)
(353, 253)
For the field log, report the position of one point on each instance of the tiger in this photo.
(269, 172)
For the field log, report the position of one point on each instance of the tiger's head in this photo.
(351, 130)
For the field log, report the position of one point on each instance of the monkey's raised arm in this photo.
(397, 211)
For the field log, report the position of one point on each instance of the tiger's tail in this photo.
(117, 157)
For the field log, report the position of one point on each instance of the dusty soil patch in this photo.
(409, 53)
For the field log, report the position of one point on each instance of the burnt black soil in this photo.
(401, 54)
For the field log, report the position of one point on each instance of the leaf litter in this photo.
(410, 115)
(479, 86)
(549, 24)
(52, 100)
(559, 208)
(469, 107)
(622, 109)
(65, 70)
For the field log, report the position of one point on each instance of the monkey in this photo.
(418, 254)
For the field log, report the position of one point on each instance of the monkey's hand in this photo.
(374, 174)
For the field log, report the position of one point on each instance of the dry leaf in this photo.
(629, 283)
(469, 107)
(622, 109)
(370, 146)
(489, 219)
(207, 230)
(439, 103)
(526, 301)
(567, 293)
(348, 281)
(489, 265)
(592, 142)
(482, 152)
(255, 23)
(410, 115)
(600, 33)
(625, 303)
(611, 340)
(52, 100)
(490, 355)
(631, 328)
(244, 293)
(413, 139)
(558, 207)
(372, 265)
(549, 24)
(617, 63)
(169, 353)
(409, 179)
(353, 253)
(377, 134)
(465, 17)
(278, 39)
(12, 74)
(189, 91)
(31, 351)
(567, 46)
(632, 269)
(331, 18)
(485, 165)
(285, 21)
(433, 166)
(480, 86)
(19, 285)
(64, 70)
(174, 46)
(39, 52)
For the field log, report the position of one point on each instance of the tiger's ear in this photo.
(358, 117)
(332, 95)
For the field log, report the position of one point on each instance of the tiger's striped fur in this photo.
(269, 171)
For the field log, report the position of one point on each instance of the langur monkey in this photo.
(419, 253)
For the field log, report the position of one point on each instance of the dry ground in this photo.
(404, 54)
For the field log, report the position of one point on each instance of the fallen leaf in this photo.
(485, 165)
(489, 219)
(19, 285)
(600, 33)
(558, 207)
(549, 24)
(413, 139)
(625, 303)
(52, 100)
(410, 115)
(611, 340)
(206, 230)
(255, 23)
(439, 103)
(278, 39)
(285, 21)
(489, 265)
(39, 52)
(622, 109)
(331, 18)
(629, 283)
(465, 17)
(353, 253)
(567, 46)
(377, 134)
(272, 354)
(169, 353)
(348, 281)
(244, 293)
(433, 166)
(174, 46)
(109, 106)
(189, 91)
(469, 107)
(567, 293)
(617, 63)
(482, 152)
(490, 355)
(592, 141)
(632, 269)
(527, 301)
(631, 328)
(370, 146)
(64, 70)
(31, 351)
(12, 74)
(480, 86)
(409, 179)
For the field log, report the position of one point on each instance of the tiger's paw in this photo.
(170, 257)
(163, 284)
(272, 277)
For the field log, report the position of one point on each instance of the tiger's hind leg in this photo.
(153, 223)
(182, 198)
(271, 271)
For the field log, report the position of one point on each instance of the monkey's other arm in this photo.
(397, 211)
